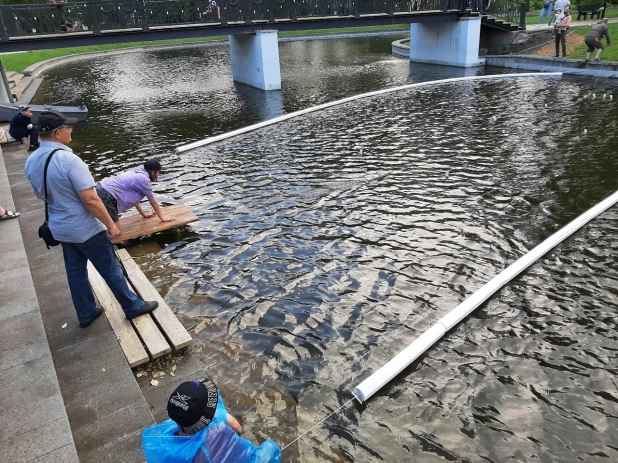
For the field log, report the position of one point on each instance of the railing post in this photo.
(96, 28)
(4, 34)
(604, 9)
(293, 10)
(522, 16)
(141, 7)
(444, 5)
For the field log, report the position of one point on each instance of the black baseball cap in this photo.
(193, 404)
(51, 120)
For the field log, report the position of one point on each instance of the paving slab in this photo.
(64, 454)
(22, 354)
(37, 442)
(31, 416)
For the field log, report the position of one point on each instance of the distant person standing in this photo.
(562, 4)
(561, 32)
(593, 39)
(214, 9)
(546, 10)
(21, 127)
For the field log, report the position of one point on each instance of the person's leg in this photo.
(558, 33)
(599, 50)
(549, 13)
(543, 10)
(34, 136)
(81, 291)
(563, 40)
(99, 251)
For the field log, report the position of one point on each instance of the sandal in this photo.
(8, 215)
(597, 59)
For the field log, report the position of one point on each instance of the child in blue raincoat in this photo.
(202, 431)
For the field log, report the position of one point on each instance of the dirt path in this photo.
(549, 49)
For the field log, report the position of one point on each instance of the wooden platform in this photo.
(146, 337)
(136, 226)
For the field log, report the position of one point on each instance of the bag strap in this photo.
(45, 182)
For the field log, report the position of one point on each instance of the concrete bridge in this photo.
(443, 31)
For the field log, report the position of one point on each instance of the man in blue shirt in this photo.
(21, 127)
(79, 220)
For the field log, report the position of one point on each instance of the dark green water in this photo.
(301, 278)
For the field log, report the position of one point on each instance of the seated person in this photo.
(202, 431)
(21, 127)
(126, 190)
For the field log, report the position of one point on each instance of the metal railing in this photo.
(110, 15)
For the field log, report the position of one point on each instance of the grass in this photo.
(17, 62)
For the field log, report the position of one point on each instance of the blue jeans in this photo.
(548, 11)
(99, 251)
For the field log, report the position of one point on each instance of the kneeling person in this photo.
(202, 431)
(128, 189)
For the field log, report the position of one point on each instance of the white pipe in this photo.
(398, 363)
(250, 128)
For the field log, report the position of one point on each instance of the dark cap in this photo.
(51, 120)
(152, 164)
(193, 405)
(24, 107)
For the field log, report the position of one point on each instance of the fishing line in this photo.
(320, 422)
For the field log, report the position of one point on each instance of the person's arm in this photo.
(155, 206)
(234, 424)
(145, 215)
(95, 206)
(609, 41)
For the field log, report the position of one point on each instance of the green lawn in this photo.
(19, 61)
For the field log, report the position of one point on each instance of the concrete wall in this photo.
(255, 59)
(453, 43)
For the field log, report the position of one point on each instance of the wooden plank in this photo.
(127, 338)
(136, 226)
(177, 334)
(151, 336)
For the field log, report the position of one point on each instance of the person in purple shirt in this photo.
(128, 189)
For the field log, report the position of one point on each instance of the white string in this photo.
(320, 422)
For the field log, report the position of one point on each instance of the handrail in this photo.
(26, 20)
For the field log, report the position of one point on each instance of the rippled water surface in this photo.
(303, 276)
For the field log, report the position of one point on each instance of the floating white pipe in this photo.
(233, 133)
(398, 363)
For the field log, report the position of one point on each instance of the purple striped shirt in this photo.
(129, 188)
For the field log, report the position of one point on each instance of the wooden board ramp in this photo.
(166, 319)
(149, 336)
(136, 226)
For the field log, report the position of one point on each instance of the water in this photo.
(302, 276)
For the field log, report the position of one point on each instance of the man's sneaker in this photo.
(33, 147)
(147, 307)
(97, 313)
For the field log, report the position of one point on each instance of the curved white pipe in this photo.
(397, 364)
(233, 133)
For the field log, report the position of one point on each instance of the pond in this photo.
(304, 275)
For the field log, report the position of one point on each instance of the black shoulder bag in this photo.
(44, 231)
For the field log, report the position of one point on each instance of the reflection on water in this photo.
(303, 276)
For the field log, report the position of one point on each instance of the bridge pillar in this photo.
(453, 43)
(255, 59)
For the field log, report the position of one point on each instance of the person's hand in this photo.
(148, 214)
(168, 219)
(112, 231)
(29, 126)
